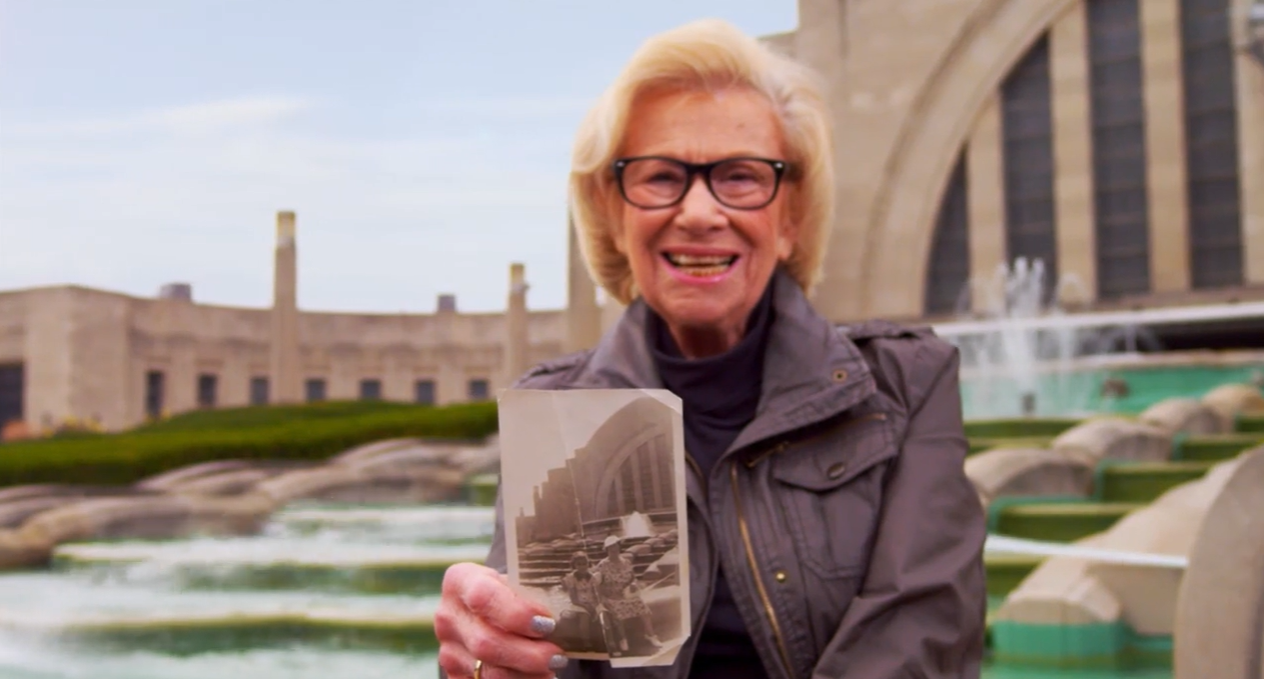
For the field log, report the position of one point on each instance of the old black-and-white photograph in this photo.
(593, 488)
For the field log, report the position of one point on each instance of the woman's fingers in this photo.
(495, 646)
(481, 617)
(459, 664)
(488, 597)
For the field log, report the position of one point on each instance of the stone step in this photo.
(1143, 482)
(1217, 447)
(1006, 571)
(1060, 522)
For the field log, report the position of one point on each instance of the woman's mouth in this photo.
(700, 266)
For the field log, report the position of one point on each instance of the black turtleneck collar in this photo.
(721, 392)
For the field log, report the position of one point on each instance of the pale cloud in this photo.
(183, 119)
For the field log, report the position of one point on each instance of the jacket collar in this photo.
(812, 370)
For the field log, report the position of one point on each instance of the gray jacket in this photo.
(848, 531)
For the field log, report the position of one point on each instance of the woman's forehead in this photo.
(699, 125)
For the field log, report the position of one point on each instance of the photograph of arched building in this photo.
(1120, 143)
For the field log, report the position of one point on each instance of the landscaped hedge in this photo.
(271, 416)
(314, 432)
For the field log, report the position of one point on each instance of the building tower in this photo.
(517, 342)
(285, 378)
(583, 318)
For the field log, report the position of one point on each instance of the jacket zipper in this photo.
(756, 574)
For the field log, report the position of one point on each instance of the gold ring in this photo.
(478, 669)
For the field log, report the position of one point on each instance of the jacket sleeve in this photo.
(921, 610)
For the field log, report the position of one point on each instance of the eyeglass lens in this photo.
(660, 182)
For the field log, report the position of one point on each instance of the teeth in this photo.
(720, 261)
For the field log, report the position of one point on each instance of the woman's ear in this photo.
(787, 236)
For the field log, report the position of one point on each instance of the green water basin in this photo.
(1079, 392)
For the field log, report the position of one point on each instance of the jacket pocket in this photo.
(832, 494)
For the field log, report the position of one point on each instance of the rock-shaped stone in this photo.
(17, 551)
(176, 477)
(1231, 400)
(1005, 472)
(1146, 596)
(243, 514)
(1219, 631)
(14, 514)
(345, 483)
(1184, 416)
(227, 483)
(142, 517)
(1061, 592)
(369, 450)
(473, 461)
(1110, 438)
(403, 460)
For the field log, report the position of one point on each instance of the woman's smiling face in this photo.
(702, 265)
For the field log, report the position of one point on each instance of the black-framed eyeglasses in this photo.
(653, 182)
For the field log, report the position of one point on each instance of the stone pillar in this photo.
(583, 318)
(1073, 149)
(450, 382)
(985, 183)
(1250, 94)
(517, 342)
(1218, 630)
(1165, 145)
(821, 42)
(286, 382)
(49, 357)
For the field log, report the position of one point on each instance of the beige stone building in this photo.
(1120, 142)
(75, 353)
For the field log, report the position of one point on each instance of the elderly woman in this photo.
(620, 594)
(832, 530)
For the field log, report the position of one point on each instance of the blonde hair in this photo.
(705, 55)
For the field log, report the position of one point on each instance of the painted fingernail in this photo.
(543, 626)
(558, 662)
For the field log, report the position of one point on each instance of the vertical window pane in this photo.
(949, 271)
(1027, 133)
(1119, 153)
(1211, 145)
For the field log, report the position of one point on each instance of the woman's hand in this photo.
(481, 618)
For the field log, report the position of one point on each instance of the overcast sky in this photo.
(423, 143)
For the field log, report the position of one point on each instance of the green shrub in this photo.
(268, 416)
(242, 434)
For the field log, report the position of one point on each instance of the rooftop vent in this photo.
(180, 291)
(447, 302)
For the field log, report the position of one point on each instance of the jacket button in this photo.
(836, 470)
(840, 375)
(780, 576)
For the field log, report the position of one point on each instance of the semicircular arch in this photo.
(903, 220)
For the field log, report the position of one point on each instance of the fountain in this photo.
(326, 590)
(1020, 361)
(637, 525)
